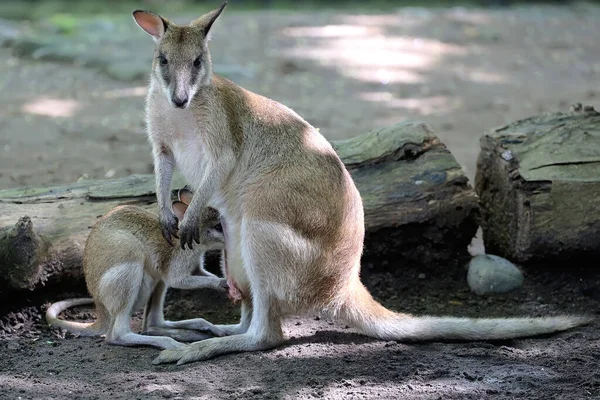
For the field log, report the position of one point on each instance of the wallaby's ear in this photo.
(185, 196)
(150, 22)
(179, 209)
(207, 20)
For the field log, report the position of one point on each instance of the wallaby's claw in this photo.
(168, 226)
(189, 232)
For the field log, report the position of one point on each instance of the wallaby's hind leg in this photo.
(186, 330)
(121, 334)
(154, 310)
(120, 304)
(265, 330)
(264, 333)
(243, 325)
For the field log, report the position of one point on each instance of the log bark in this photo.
(419, 207)
(539, 187)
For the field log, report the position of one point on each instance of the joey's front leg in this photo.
(199, 282)
(163, 167)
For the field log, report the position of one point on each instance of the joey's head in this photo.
(211, 232)
(182, 61)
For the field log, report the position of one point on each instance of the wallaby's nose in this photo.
(180, 103)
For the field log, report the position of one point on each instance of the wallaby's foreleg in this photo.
(163, 168)
(201, 271)
(198, 282)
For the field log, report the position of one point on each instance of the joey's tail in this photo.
(372, 319)
(82, 328)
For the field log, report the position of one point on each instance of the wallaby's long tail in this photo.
(372, 319)
(82, 328)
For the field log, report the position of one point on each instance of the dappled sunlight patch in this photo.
(52, 107)
(367, 54)
(383, 75)
(431, 105)
(394, 20)
(410, 388)
(166, 390)
(329, 31)
(479, 76)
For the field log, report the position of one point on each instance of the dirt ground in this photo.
(323, 359)
(462, 71)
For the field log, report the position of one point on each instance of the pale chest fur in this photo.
(181, 133)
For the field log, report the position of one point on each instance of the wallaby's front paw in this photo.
(168, 226)
(189, 231)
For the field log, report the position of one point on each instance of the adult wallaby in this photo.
(294, 218)
(128, 265)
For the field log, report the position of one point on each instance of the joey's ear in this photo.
(185, 195)
(179, 209)
(207, 20)
(150, 22)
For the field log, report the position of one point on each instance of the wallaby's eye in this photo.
(162, 60)
(197, 62)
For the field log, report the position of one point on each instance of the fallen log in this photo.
(539, 184)
(419, 207)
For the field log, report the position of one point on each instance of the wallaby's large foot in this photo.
(181, 335)
(264, 333)
(210, 348)
(134, 339)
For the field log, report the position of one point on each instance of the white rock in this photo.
(489, 274)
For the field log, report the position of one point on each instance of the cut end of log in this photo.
(538, 182)
(20, 248)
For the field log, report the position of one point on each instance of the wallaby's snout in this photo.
(180, 81)
(182, 61)
(179, 102)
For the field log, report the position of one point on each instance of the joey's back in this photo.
(124, 235)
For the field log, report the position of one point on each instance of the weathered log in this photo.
(418, 206)
(538, 180)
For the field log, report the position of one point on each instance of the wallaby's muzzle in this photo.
(179, 102)
(180, 88)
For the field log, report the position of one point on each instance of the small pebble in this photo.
(489, 274)
(422, 276)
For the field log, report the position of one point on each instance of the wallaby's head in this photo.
(182, 61)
